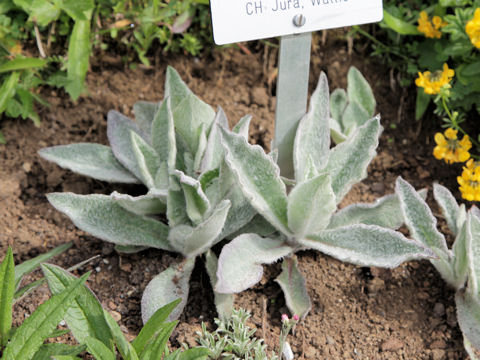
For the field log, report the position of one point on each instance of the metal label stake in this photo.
(292, 92)
(244, 20)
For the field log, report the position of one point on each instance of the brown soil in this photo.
(358, 313)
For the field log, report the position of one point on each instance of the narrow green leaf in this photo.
(145, 112)
(78, 10)
(258, 177)
(78, 56)
(240, 262)
(98, 349)
(449, 206)
(118, 131)
(242, 126)
(7, 90)
(460, 259)
(156, 348)
(398, 25)
(213, 155)
(21, 292)
(163, 135)
(29, 265)
(468, 315)
(421, 103)
(175, 355)
(338, 103)
(89, 159)
(354, 116)
(147, 159)
(166, 287)
(49, 350)
(85, 316)
(7, 290)
(196, 353)
(294, 288)
(153, 326)
(202, 146)
(189, 112)
(348, 161)
(367, 245)
(223, 302)
(419, 218)
(310, 206)
(102, 217)
(359, 91)
(124, 347)
(22, 64)
(313, 133)
(473, 254)
(37, 327)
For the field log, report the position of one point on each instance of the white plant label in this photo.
(244, 20)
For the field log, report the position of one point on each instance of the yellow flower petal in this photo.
(451, 133)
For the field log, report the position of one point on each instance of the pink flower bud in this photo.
(295, 317)
(284, 317)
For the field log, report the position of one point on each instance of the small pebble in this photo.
(392, 344)
(27, 167)
(439, 310)
(98, 269)
(438, 344)
(438, 354)
(116, 315)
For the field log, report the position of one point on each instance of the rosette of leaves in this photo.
(460, 265)
(351, 108)
(305, 216)
(174, 149)
(233, 339)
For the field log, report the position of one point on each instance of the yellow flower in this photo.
(470, 181)
(473, 29)
(450, 148)
(432, 83)
(431, 29)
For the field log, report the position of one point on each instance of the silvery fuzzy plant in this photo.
(351, 108)
(460, 265)
(305, 216)
(174, 149)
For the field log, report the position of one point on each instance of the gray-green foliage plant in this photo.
(233, 339)
(305, 216)
(26, 342)
(351, 108)
(97, 331)
(173, 149)
(460, 265)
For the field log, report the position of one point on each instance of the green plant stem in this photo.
(455, 124)
(358, 29)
